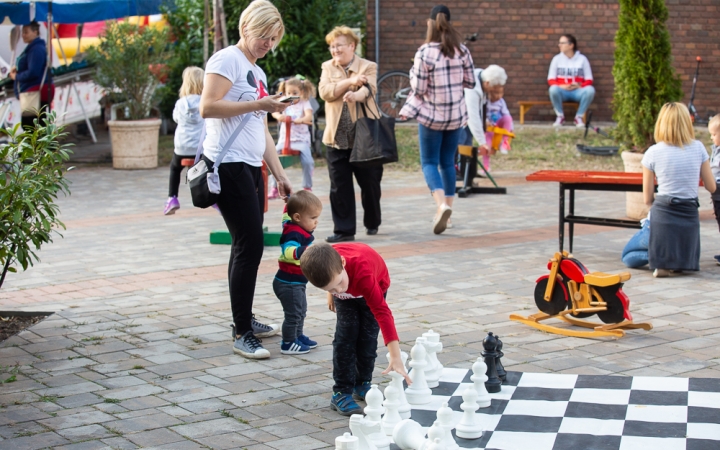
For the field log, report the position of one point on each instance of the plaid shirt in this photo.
(437, 99)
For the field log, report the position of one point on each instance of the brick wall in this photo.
(522, 35)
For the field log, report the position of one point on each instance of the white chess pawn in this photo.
(445, 417)
(418, 393)
(346, 442)
(357, 426)
(479, 378)
(432, 375)
(434, 338)
(436, 431)
(391, 404)
(469, 427)
(408, 434)
(397, 383)
(435, 445)
(373, 420)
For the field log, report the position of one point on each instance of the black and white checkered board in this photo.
(559, 411)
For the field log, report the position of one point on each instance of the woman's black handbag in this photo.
(374, 139)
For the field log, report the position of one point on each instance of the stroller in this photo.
(318, 149)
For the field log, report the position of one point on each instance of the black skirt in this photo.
(674, 234)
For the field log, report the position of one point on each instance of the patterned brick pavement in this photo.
(138, 352)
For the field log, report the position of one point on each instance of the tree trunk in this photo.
(217, 27)
(206, 32)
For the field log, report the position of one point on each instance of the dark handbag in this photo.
(204, 183)
(375, 143)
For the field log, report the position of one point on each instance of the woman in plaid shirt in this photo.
(443, 68)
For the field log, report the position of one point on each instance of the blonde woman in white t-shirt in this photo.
(235, 87)
(677, 161)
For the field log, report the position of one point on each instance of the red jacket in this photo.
(369, 278)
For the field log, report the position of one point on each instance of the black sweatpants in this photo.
(241, 202)
(175, 172)
(342, 192)
(354, 345)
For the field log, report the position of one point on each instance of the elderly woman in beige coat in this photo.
(343, 84)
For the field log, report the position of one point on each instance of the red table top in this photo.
(580, 176)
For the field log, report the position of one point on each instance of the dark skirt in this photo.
(674, 234)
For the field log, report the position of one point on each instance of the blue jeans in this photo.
(438, 148)
(584, 96)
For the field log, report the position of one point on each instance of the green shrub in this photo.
(643, 71)
(126, 58)
(31, 176)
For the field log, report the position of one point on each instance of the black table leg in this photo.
(561, 231)
(571, 225)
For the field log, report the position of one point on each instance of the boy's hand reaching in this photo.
(396, 364)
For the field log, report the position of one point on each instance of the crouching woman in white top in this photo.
(236, 87)
(677, 161)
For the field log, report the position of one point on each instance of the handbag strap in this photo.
(227, 145)
(362, 104)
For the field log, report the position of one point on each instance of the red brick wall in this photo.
(522, 35)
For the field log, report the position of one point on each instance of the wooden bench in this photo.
(526, 105)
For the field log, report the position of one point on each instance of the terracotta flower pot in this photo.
(135, 143)
(635, 207)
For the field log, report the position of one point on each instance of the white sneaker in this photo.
(249, 346)
(440, 221)
(559, 121)
(661, 273)
(579, 122)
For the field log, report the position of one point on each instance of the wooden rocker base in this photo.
(616, 330)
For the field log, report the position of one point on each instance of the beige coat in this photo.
(331, 75)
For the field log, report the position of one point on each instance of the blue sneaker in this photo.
(344, 404)
(361, 390)
(293, 348)
(717, 259)
(307, 341)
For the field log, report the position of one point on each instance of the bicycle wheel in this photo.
(393, 90)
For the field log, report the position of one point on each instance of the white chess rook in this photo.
(418, 393)
(445, 417)
(409, 435)
(469, 426)
(479, 378)
(391, 404)
(434, 338)
(346, 442)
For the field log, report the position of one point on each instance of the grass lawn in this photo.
(534, 148)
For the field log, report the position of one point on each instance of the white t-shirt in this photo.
(248, 83)
(677, 169)
(299, 134)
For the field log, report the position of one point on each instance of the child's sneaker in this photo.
(344, 404)
(307, 341)
(171, 205)
(559, 121)
(274, 194)
(250, 347)
(579, 122)
(262, 330)
(717, 259)
(361, 390)
(293, 348)
(309, 189)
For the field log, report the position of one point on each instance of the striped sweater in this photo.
(293, 242)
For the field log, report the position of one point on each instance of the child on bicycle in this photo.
(187, 135)
(298, 117)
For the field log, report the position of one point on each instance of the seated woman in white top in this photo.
(677, 161)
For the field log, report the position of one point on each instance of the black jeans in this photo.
(342, 192)
(175, 171)
(241, 202)
(354, 345)
(294, 303)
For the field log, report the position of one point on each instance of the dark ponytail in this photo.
(441, 30)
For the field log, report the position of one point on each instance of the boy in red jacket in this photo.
(356, 279)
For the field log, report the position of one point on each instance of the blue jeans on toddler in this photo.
(294, 303)
(584, 96)
(438, 148)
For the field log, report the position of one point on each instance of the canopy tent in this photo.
(77, 11)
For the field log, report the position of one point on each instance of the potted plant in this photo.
(127, 59)
(31, 176)
(644, 81)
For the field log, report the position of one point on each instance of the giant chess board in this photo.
(535, 411)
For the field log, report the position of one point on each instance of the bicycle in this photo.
(393, 88)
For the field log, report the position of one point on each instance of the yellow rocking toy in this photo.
(569, 293)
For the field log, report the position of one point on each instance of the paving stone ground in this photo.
(138, 352)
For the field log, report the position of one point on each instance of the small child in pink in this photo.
(498, 115)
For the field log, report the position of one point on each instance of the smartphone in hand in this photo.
(288, 99)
